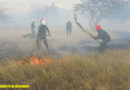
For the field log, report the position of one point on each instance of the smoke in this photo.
(13, 44)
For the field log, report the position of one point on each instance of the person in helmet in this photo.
(69, 28)
(104, 36)
(33, 27)
(42, 33)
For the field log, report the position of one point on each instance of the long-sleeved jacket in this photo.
(32, 25)
(103, 35)
(69, 25)
(42, 29)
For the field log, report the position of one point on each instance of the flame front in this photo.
(36, 61)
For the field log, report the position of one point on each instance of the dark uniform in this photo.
(33, 27)
(105, 39)
(69, 28)
(42, 29)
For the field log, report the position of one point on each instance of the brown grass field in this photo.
(109, 70)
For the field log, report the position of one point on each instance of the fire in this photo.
(36, 61)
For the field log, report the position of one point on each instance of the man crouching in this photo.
(104, 36)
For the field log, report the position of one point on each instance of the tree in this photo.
(3, 14)
(96, 10)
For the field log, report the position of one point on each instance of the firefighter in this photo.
(33, 27)
(42, 33)
(69, 28)
(104, 36)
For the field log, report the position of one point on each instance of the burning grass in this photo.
(34, 60)
(106, 71)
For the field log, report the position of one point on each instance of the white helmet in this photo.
(44, 22)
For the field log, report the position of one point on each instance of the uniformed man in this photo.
(104, 36)
(42, 33)
(33, 27)
(69, 28)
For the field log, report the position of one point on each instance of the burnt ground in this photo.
(14, 46)
(88, 46)
(85, 47)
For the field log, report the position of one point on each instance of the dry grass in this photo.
(107, 71)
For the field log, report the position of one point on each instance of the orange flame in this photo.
(36, 61)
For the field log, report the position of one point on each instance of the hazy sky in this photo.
(23, 6)
(18, 8)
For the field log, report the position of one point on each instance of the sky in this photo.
(24, 6)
